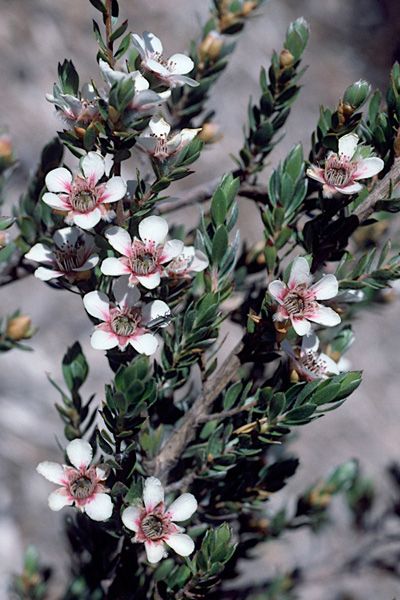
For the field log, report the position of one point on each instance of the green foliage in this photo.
(374, 270)
(32, 583)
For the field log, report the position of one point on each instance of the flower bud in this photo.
(4, 238)
(19, 328)
(6, 151)
(227, 20)
(356, 94)
(80, 132)
(210, 48)
(286, 58)
(210, 133)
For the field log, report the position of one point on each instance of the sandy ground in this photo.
(349, 40)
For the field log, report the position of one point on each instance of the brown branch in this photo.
(108, 26)
(186, 430)
(226, 414)
(379, 192)
(202, 193)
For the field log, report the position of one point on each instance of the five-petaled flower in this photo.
(308, 362)
(73, 110)
(82, 485)
(172, 71)
(82, 198)
(154, 524)
(143, 258)
(343, 170)
(73, 252)
(298, 298)
(160, 143)
(189, 261)
(126, 321)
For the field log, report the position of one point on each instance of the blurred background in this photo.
(350, 39)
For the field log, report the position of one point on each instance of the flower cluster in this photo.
(82, 485)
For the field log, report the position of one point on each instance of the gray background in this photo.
(350, 39)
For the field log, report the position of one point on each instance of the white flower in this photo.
(81, 485)
(343, 170)
(82, 198)
(309, 363)
(160, 143)
(298, 298)
(73, 110)
(144, 99)
(154, 524)
(126, 321)
(172, 71)
(189, 261)
(142, 258)
(73, 252)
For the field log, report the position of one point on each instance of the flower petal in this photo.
(55, 201)
(89, 264)
(153, 493)
(183, 507)
(51, 471)
(45, 274)
(324, 315)
(301, 326)
(154, 229)
(103, 340)
(40, 253)
(153, 65)
(152, 43)
(159, 127)
(138, 44)
(352, 188)
(331, 366)
(327, 287)
(199, 262)
(348, 144)
(120, 240)
(368, 167)
(80, 453)
(59, 180)
(130, 517)
(145, 344)
(97, 304)
(125, 294)
(100, 508)
(172, 249)
(150, 281)
(155, 551)
(316, 173)
(181, 543)
(114, 190)
(278, 290)
(93, 167)
(66, 235)
(158, 309)
(87, 220)
(113, 266)
(300, 272)
(310, 343)
(59, 498)
(180, 64)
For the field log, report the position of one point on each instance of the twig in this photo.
(108, 26)
(225, 414)
(379, 192)
(185, 432)
(203, 192)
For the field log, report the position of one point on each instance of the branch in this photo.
(380, 191)
(186, 431)
(203, 192)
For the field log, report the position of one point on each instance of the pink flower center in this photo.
(144, 258)
(339, 170)
(71, 256)
(83, 196)
(124, 322)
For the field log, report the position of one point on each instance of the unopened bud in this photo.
(3, 239)
(113, 114)
(227, 20)
(6, 151)
(344, 111)
(210, 133)
(210, 48)
(286, 59)
(19, 328)
(80, 132)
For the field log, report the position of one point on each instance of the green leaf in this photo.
(218, 207)
(219, 244)
(74, 367)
